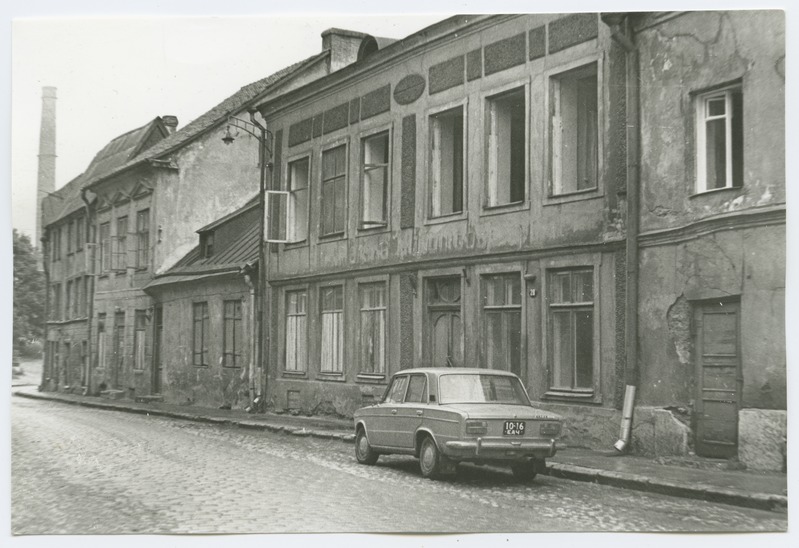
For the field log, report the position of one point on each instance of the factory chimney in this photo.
(46, 181)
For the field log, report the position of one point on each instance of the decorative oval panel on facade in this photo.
(409, 89)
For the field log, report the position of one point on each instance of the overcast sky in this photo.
(114, 74)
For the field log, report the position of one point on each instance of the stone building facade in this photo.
(463, 197)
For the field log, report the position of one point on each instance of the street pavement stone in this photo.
(77, 470)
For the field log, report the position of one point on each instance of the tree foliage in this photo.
(29, 293)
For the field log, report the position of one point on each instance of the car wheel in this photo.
(431, 461)
(525, 471)
(363, 451)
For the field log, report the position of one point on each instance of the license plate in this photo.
(513, 428)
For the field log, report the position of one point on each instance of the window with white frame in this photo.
(502, 322)
(571, 329)
(334, 191)
(506, 116)
(446, 163)
(296, 330)
(719, 139)
(297, 185)
(574, 131)
(332, 316)
(372, 297)
(374, 180)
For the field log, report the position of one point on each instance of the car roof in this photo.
(459, 370)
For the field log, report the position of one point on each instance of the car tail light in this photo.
(550, 428)
(476, 428)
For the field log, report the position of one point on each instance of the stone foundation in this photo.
(655, 431)
(762, 435)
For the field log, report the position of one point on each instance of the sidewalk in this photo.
(695, 478)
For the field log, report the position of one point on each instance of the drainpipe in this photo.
(251, 331)
(46, 352)
(622, 32)
(90, 301)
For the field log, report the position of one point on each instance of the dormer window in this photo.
(207, 245)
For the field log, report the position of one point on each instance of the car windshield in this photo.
(482, 388)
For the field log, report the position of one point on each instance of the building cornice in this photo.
(737, 220)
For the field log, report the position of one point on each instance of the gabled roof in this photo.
(123, 148)
(233, 104)
(67, 199)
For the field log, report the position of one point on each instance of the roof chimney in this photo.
(343, 46)
(171, 123)
(46, 181)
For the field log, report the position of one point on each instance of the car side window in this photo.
(417, 389)
(397, 391)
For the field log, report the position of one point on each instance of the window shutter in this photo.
(275, 220)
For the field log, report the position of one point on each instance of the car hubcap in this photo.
(428, 457)
(363, 446)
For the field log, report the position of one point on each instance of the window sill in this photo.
(295, 245)
(232, 367)
(138, 371)
(577, 195)
(501, 209)
(295, 374)
(725, 190)
(462, 216)
(375, 229)
(200, 365)
(331, 377)
(371, 378)
(585, 396)
(332, 237)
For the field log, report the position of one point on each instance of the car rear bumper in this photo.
(498, 449)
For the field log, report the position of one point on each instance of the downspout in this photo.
(46, 350)
(251, 331)
(622, 32)
(90, 300)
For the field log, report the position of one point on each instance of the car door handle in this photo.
(419, 412)
(393, 411)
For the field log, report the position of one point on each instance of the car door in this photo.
(409, 414)
(383, 427)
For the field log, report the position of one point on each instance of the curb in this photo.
(761, 501)
(246, 424)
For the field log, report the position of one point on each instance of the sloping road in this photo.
(78, 470)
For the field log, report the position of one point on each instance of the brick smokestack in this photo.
(46, 181)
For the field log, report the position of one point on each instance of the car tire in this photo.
(363, 451)
(527, 470)
(431, 461)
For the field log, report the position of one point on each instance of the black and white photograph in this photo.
(462, 274)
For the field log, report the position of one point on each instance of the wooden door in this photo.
(718, 379)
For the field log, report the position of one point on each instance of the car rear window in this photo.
(483, 388)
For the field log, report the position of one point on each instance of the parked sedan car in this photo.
(444, 416)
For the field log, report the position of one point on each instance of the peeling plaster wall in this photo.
(746, 264)
(690, 53)
(207, 386)
(727, 244)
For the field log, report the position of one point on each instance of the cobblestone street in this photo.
(76, 470)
